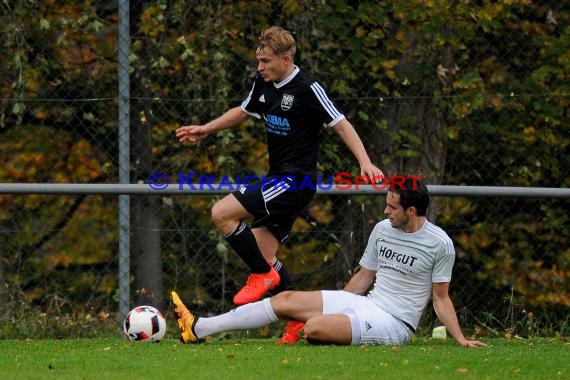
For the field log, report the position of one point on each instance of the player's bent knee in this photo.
(283, 296)
(216, 215)
(281, 301)
(221, 220)
(318, 332)
(313, 331)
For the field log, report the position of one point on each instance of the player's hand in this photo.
(191, 133)
(473, 343)
(376, 175)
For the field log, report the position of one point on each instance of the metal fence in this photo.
(197, 262)
(92, 93)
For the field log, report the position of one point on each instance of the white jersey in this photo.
(406, 265)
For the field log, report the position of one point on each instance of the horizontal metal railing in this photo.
(207, 189)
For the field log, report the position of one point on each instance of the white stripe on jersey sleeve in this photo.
(439, 233)
(325, 101)
(246, 102)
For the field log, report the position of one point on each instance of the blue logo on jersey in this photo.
(277, 125)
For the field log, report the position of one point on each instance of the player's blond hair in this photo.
(279, 40)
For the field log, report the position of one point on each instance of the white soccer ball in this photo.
(144, 324)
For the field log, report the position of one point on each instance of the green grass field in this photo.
(244, 359)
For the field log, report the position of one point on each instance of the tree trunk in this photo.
(146, 219)
(147, 250)
(429, 162)
(352, 237)
(421, 118)
(145, 208)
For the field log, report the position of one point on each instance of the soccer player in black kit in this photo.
(294, 107)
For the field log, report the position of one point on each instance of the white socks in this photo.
(250, 316)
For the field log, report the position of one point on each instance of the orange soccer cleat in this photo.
(292, 333)
(186, 320)
(256, 286)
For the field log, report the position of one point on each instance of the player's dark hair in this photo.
(279, 40)
(413, 193)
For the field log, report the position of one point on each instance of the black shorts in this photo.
(275, 203)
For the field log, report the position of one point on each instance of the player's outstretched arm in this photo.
(348, 134)
(229, 119)
(446, 313)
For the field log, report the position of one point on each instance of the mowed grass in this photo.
(244, 359)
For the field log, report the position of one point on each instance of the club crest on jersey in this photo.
(287, 102)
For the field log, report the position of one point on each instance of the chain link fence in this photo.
(475, 95)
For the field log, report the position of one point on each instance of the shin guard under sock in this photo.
(243, 242)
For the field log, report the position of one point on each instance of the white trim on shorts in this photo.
(370, 323)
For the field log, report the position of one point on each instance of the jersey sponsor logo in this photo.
(262, 98)
(387, 253)
(277, 125)
(287, 102)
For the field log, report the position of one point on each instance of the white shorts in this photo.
(370, 323)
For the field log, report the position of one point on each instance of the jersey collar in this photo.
(288, 79)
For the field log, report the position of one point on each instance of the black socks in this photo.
(243, 242)
(286, 282)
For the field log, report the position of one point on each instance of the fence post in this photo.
(124, 161)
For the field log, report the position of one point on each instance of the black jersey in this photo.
(294, 110)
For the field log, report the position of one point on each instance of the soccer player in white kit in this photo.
(407, 262)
